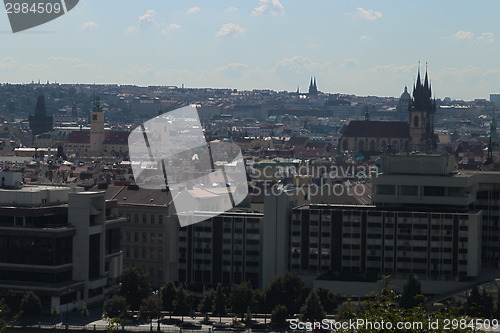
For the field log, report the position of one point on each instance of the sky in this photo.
(353, 47)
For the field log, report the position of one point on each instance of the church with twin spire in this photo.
(416, 134)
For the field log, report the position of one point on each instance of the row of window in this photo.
(149, 237)
(144, 253)
(137, 218)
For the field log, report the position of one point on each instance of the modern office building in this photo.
(60, 243)
(222, 249)
(365, 242)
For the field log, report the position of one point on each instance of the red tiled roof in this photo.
(297, 141)
(377, 129)
(110, 137)
(79, 137)
(116, 137)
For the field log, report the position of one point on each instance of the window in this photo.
(136, 253)
(434, 191)
(136, 236)
(94, 117)
(136, 218)
(160, 237)
(152, 237)
(144, 218)
(152, 219)
(409, 190)
(144, 238)
(160, 219)
(415, 121)
(385, 189)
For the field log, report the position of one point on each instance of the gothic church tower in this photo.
(423, 107)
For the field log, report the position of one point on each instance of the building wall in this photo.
(144, 239)
(437, 246)
(373, 144)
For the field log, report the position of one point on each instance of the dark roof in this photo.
(110, 137)
(375, 129)
(297, 141)
(138, 195)
(116, 137)
(79, 137)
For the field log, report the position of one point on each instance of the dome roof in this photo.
(405, 94)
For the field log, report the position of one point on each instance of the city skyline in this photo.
(361, 48)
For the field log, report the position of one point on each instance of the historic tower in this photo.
(423, 107)
(40, 122)
(97, 127)
(313, 89)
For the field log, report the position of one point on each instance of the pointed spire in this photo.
(426, 80)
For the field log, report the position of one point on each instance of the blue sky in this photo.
(354, 47)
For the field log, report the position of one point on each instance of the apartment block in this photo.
(59, 242)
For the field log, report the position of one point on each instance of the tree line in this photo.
(283, 297)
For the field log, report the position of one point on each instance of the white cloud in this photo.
(193, 10)
(463, 35)
(393, 69)
(171, 28)
(65, 59)
(131, 29)
(365, 37)
(88, 25)
(349, 63)
(367, 14)
(302, 65)
(230, 29)
(273, 7)
(149, 17)
(486, 37)
(7, 63)
(231, 10)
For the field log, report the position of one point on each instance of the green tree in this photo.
(115, 307)
(219, 302)
(31, 304)
(150, 308)
(384, 306)
(181, 304)
(206, 303)
(241, 298)
(3, 315)
(168, 294)
(312, 310)
(328, 299)
(259, 304)
(135, 286)
(412, 293)
(284, 290)
(279, 315)
(487, 305)
(85, 310)
(479, 305)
